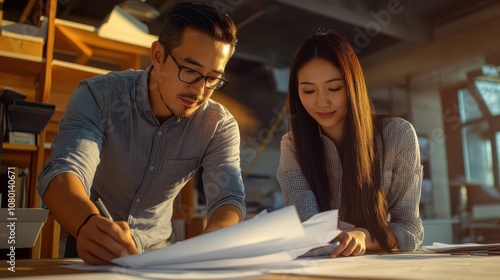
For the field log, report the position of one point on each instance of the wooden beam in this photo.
(27, 10)
(1, 15)
(478, 41)
(47, 248)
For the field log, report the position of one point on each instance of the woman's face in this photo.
(322, 92)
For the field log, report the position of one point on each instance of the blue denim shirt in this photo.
(111, 140)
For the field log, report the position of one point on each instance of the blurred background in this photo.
(434, 63)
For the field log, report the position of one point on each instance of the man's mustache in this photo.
(194, 97)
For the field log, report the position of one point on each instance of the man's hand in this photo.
(101, 240)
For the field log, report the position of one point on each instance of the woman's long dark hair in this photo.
(363, 202)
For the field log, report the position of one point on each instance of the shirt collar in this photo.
(142, 91)
(143, 98)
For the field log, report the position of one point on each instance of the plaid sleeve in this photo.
(293, 184)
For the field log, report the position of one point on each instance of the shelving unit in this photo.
(72, 52)
(48, 80)
(25, 72)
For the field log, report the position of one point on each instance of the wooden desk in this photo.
(400, 266)
(37, 269)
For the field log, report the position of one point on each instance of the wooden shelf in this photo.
(62, 70)
(20, 71)
(20, 155)
(19, 147)
(20, 64)
(87, 43)
(93, 40)
(18, 42)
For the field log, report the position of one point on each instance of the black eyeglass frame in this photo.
(220, 84)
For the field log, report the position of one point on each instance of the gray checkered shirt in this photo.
(402, 180)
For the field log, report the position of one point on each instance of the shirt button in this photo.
(160, 133)
(137, 200)
(151, 167)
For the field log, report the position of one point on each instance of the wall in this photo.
(427, 118)
(252, 99)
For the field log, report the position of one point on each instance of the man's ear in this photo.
(157, 53)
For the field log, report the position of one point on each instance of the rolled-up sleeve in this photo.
(78, 143)
(222, 181)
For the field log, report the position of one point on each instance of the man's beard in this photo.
(186, 113)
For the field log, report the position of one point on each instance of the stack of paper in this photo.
(467, 248)
(264, 240)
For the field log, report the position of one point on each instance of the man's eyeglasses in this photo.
(191, 76)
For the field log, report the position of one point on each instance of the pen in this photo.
(103, 209)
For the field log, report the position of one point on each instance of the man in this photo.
(134, 138)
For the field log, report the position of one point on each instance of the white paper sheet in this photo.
(267, 241)
(278, 231)
(230, 263)
(438, 247)
(280, 224)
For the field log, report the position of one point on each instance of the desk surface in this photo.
(393, 266)
(54, 268)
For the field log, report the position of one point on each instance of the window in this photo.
(477, 154)
(469, 110)
(479, 108)
(489, 90)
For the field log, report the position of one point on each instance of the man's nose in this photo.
(198, 88)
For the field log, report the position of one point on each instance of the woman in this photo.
(340, 155)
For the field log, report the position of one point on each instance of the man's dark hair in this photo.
(200, 17)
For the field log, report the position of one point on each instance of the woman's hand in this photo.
(351, 242)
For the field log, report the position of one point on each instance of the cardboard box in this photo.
(24, 230)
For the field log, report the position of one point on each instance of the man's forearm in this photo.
(68, 202)
(224, 216)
